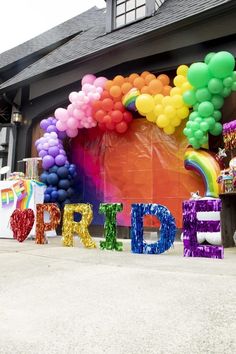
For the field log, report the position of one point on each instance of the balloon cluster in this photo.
(79, 112)
(111, 114)
(166, 111)
(212, 81)
(58, 174)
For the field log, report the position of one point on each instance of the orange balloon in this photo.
(132, 77)
(108, 85)
(96, 105)
(155, 86)
(164, 79)
(145, 89)
(144, 74)
(149, 78)
(139, 82)
(126, 87)
(118, 80)
(105, 94)
(115, 91)
(166, 90)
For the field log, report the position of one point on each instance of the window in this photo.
(127, 11)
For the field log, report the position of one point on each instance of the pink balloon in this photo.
(72, 123)
(70, 109)
(100, 82)
(61, 114)
(73, 96)
(72, 133)
(87, 88)
(88, 79)
(61, 126)
(78, 113)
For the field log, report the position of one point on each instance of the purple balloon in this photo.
(48, 161)
(39, 147)
(45, 146)
(53, 151)
(50, 120)
(61, 135)
(60, 160)
(52, 142)
(44, 124)
(62, 152)
(51, 128)
(42, 153)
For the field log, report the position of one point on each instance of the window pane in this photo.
(120, 21)
(120, 9)
(119, 1)
(130, 16)
(140, 2)
(140, 12)
(130, 5)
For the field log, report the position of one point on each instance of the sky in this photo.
(22, 20)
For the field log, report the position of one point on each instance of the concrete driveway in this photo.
(74, 300)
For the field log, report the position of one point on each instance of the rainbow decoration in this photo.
(204, 164)
(130, 98)
(24, 200)
(7, 197)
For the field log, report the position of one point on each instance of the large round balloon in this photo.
(198, 74)
(222, 65)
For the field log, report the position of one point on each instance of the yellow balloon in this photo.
(186, 86)
(167, 101)
(175, 121)
(183, 112)
(169, 130)
(151, 117)
(179, 80)
(177, 101)
(158, 109)
(175, 91)
(182, 70)
(162, 121)
(158, 98)
(169, 111)
(145, 103)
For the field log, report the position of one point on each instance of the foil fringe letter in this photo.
(81, 228)
(110, 226)
(41, 226)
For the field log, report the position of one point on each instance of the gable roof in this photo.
(95, 39)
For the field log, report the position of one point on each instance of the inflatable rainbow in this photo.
(204, 164)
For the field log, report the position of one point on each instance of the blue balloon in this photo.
(54, 196)
(52, 179)
(64, 184)
(53, 169)
(70, 192)
(62, 172)
(47, 198)
(71, 171)
(43, 177)
(49, 190)
(62, 195)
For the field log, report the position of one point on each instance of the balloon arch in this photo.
(197, 95)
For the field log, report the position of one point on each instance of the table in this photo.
(228, 218)
(20, 194)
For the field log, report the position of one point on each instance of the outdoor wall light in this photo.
(17, 118)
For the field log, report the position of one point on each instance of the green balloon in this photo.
(211, 122)
(217, 115)
(204, 139)
(198, 134)
(221, 65)
(193, 115)
(189, 124)
(195, 107)
(195, 126)
(208, 57)
(189, 97)
(217, 101)
(205, 109)
(188, 132)
(195, 144)
(198, 120)
(204, 126)
(234, 86)
(228, 81)
(203, 94)
(198, 74)
(215, 85)
(234, 76)
(226, 92)
(217, 129)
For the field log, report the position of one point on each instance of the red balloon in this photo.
(127, 116)
(105, 94)
(106, 119)
(121, 127)
(119, 106)
(99, 115)
(96, 105)
(107, 104)
(110, 126)
(116, 116)
(102, 126)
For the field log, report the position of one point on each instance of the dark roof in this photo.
(56, 34)
(95, 39)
